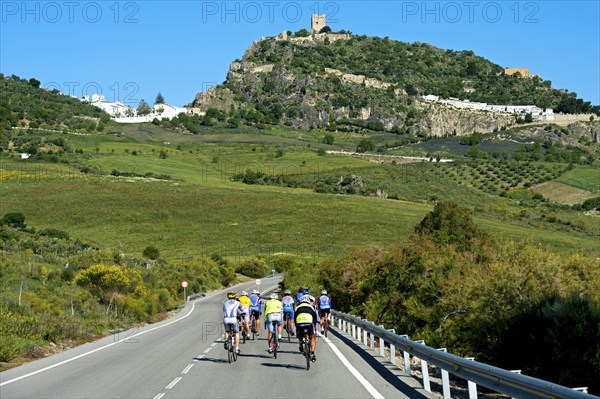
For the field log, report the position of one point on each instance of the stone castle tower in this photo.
(318, 22)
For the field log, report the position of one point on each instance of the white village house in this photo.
(115, 109)
(536, 112)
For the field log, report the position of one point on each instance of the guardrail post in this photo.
(353, 330)
(381, 344)
(392, 349)
(425, 370)
(339, 324)
(472, 385)
(365, 335)
(343, 325)
(406, 360)
(372, 343)
(445, 379)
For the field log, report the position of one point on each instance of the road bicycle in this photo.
(253, 325)
(244, 328)
(231, 353)
(306, 345)
(325, 325)
(287, 325)
(274, 343)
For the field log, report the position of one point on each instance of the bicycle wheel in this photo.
(288, 328)
(229, 349)
(232, 344)
(253, 326)
(325, 326)
(274, 340)
(307, 351)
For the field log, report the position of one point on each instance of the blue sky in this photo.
(129, 50)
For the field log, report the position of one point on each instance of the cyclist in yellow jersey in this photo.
(273, 313)
(244, 300)
(306, 319)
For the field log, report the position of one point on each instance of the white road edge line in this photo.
(159, 396)
(365, 383)
(185, 371)
(96, 350)
(103, 347)
(173, 383)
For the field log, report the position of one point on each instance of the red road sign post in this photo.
(184, 284)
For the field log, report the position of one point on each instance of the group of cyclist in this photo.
(303, 311)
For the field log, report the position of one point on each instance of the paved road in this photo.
(183, 358)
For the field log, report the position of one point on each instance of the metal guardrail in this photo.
(194, 296)
(497, 379)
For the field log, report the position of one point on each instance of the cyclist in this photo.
(288, 308)
(324, 306)
(273, 313)
(245, 302)
(299, 295)
(306, 317)
(306, 292)
(255, 309)
(231, 312)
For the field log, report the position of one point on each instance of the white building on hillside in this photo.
(166, 111)
(115, 109)
(536, 112)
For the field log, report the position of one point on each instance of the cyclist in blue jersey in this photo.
(256, 309)
(288, 308)
(324, 306)
(231, 313)
(300, 294)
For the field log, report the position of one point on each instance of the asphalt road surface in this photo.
(183, 357)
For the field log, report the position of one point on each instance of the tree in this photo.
(449, 223)
(151, 252)
(328, 139)
(14, 219)
(159, 99)
(143, 108)
(34, 83)
(365, 145)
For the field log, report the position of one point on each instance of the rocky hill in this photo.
(337, 79)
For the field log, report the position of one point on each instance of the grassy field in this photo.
(562, 193)
(200, 210)
(587, 178)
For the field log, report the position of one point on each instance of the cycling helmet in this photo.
(231, 295)
(244, 293)
(255, 292)
(306, 291)
(301, 289)
(287, 292)
(306, 299)
(273, 296)
(324, 292)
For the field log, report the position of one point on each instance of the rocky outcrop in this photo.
(440, 120)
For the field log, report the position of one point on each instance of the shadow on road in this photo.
(283, 365)
(380, 368)
(210, 359)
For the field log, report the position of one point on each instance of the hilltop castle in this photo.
(318, 22)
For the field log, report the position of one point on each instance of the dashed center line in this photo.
(173, 383)
(160, 395)
(185, 371)
(207, 350)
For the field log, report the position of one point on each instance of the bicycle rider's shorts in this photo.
(324, 312)
(289, 312)
(255, 310)
(246, 313)
(310, 328)
(275, 317)
(231, 320)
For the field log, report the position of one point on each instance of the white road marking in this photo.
(213, 344)
(185, 371)
(96, 350)
(160, 395)
(207, 350)
(106, 346)
(365, 383)
(173, 383)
